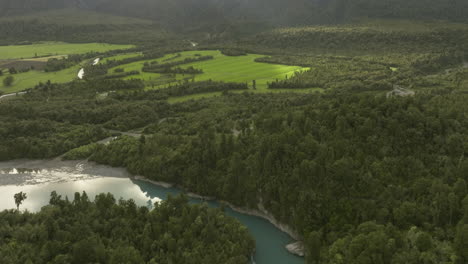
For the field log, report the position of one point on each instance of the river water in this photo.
(39, 178)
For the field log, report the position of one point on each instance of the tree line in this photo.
(155, 66)
(362, 178)
(111, 231)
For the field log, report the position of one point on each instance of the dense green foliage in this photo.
(81, 153)
(341, 168)
(200, 87)
(74, 26)
(244, 16)
(363, 175)
(52, 119)
(344, 166)
(175, 70)
(104, 231)
(8, 81)
(233, 52)
(366, 56)
(119, 75)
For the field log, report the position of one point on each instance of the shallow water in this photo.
(39, 178)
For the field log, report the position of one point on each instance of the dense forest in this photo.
(110, 231)
(362, 152)
(361, 177)
(347, 172)
(32, 128)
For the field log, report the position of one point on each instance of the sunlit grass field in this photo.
(54, 48)
(32, 78)
(221, 68)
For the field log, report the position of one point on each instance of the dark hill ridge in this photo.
(183, 13)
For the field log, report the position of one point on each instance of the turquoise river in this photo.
(39, 178)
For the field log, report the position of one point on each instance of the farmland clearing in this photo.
(30, 79)
(43, 49)
(238, 69)
(33, 58)
(241, 69)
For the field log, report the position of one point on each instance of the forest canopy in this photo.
(213, 13)
(109, 231)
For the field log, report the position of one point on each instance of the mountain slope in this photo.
(186, 13)
(75, 16)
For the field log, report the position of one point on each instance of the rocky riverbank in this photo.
(158, 183)
(296, 248)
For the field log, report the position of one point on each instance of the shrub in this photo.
(8, 81)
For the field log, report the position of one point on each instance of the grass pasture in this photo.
(242, 69)
(221, 68)
(24, 56)
(30, 79)
(53, 49)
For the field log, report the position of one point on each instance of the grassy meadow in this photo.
(221, 68)
(30, 79)
(54, 48)
(45, 51)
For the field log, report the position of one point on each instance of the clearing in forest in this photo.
(31, 78)
(54, 48)
(221, 68)
(36, 56)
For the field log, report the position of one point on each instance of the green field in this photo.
(54, 48)
(32, 78)
(221, 68)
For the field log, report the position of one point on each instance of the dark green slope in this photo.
(186, 13)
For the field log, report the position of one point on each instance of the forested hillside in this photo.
(347, 172)
(76, 25)
(115, 232)
(183, 14)
(358, 176)
(346, 120)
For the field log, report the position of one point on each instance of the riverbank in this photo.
(55, 171)
(38, 178)
(296, 248)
